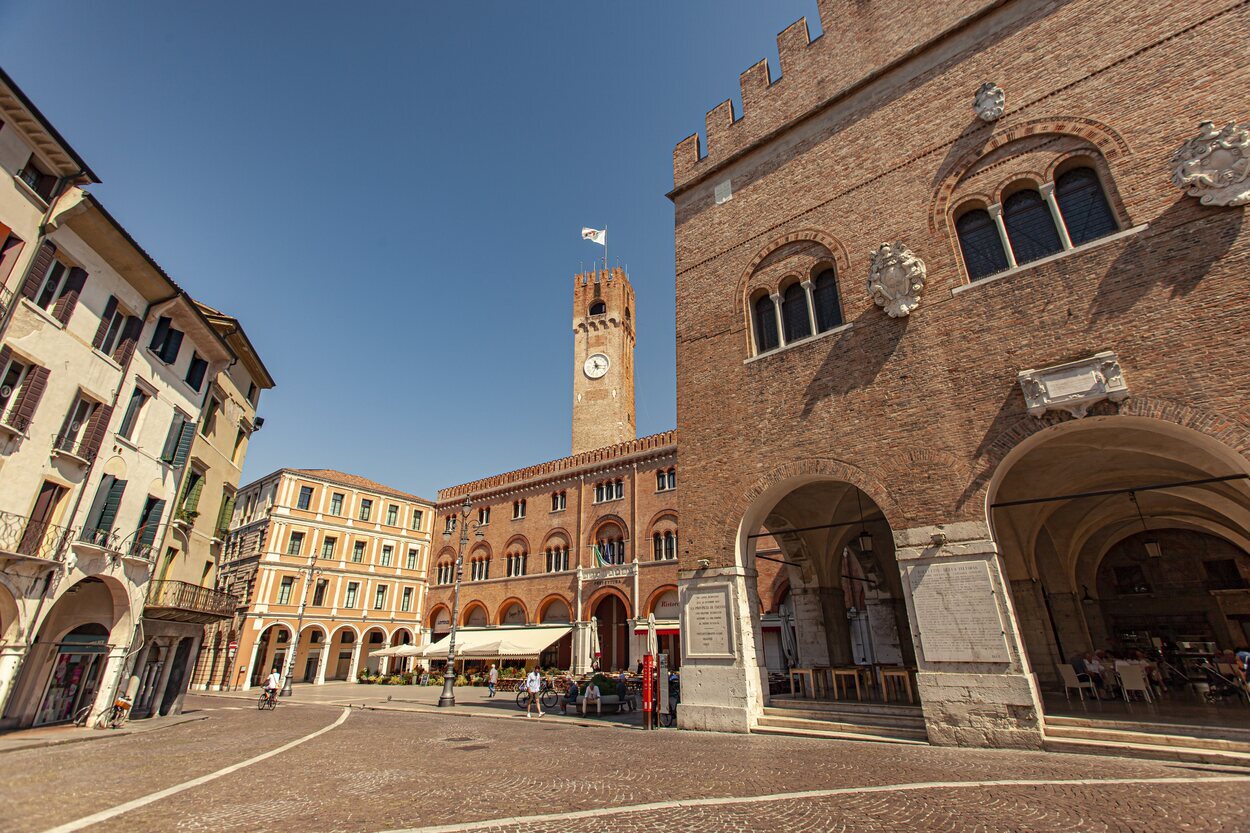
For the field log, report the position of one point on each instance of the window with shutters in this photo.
(53, 283)
(387, 553)
(253, 393)
(405, 601)
(10, 250)
(208, 420)
(178, 440)
(236, 456)
(76, 436)
(336, 504)
(12, 373)
(196, 371)
(38, 179)
(358, 552)
(349, 599)
(327, 546)
(392, 515)
(412, 560)
(284, 590)
(99, 528)
(305, 497)
(166, 340)
(189, 506)
(108, 335)
(319, 593)
(379, 597)
(366, 509)
(224, 513)
(295, 544)
(138, 398)
(149, 523)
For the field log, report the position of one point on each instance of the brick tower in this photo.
(603, 360)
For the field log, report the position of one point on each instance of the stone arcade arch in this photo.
(271, 652)
(609, 608)
(343, 645)
(1082, 575)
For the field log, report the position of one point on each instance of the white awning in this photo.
(490, 643)
(398, 651)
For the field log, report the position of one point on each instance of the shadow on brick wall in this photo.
(1177, 252)
(855, 357)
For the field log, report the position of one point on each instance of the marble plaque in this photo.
(956, 612)
(706, 624)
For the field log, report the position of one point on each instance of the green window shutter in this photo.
(184, 445)
(192, 500)
(108, 513)
(153, 520)
(227, 509)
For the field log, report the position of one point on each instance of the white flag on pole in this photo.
(595, 236)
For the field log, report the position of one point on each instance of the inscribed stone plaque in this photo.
(956, 612)
(706, 625)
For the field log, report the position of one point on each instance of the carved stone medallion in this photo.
(990, 102)
(1215, 165)
(896, 279)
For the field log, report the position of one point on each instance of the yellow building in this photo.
(336, 558)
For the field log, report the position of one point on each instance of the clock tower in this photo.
(603, 360)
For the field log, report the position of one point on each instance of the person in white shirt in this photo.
(272, 683)
(592, 696)
(492, 680)
(534, 685)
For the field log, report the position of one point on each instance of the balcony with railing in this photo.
(74, 448)
(6, 300)
(114, 544)
(179, 601)
(21, 537)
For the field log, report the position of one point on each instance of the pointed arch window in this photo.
(794, 313)
(980, 243)
(1083, 205)
(766, 337)
(1030, 227)
(825, 295)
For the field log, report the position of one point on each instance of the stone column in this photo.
(973, 676)
(324, 659)
(811, 304)
(1047, 191)
(110, 679)
(384, 663)
(10, 661)
(809, 627)
(996, 214)
(355, 668)
(781, 330)
(724, 679)
(251, 667)
(166, 669)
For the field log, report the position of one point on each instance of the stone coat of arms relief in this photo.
(896, 279)
(1214, 166)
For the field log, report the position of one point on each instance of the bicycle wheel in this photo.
(273, 702)
(260, 704)
(550, 698)
(81, 716)
(522, 698)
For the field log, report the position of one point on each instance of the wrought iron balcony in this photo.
(182, 602)
(75, 448)
(6, 300)
(22, 537)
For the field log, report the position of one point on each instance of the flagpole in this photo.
(606, 267)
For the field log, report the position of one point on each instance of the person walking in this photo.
(492, 679)
(534, 685)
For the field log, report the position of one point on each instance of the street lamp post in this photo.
(299, 622)
(448, 697)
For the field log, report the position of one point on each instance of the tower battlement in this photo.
(860, 40)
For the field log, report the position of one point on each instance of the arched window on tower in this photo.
(598, 308)
(765, 325)
(794, 315)
(1083, 205)
(1030, 228)
(981, 246)
(825, 294)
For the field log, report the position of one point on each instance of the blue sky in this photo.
(390, 194)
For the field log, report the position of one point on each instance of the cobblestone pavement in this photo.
(387, 770)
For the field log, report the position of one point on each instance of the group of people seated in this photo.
(592, 695)
(1099, 667)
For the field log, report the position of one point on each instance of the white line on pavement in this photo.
(711, 802)
(105, 815)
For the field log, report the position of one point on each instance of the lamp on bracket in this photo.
(1150, 542)
(864, 539)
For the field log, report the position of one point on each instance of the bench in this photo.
(611, 701)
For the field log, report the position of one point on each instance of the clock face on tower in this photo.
(596, 366)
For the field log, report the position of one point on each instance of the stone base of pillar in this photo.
(985, 710)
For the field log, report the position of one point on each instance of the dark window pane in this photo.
(981, 246)
(765, 325)
(794, 313)
(1084, 206)
(1029, 227)
(825, 293)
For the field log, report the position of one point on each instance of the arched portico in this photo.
(344, 645)
(1127, 535)
(270, 652)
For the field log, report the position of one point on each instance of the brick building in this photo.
(1016, 431)
(588, 542)
(336, 558)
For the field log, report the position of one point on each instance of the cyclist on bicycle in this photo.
(272, 683)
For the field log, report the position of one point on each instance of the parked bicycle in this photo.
(548, 696)
(268, 700)
(112, 718)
